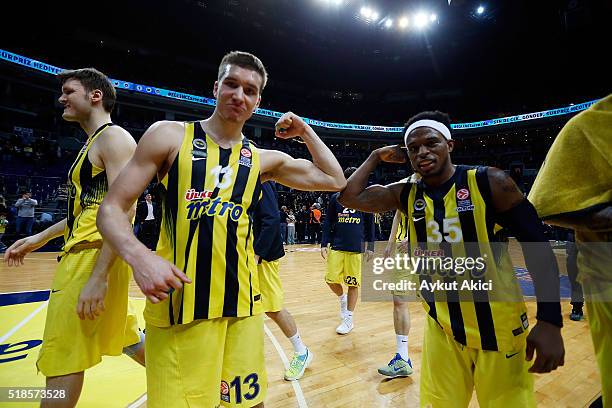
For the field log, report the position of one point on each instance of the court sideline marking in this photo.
(299, 395)
(23, 322)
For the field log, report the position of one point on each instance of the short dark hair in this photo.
(431, 115)
(244, 60)
(92, 79)
(348, 172)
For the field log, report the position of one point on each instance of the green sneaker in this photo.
(298, 364)
(397, 367)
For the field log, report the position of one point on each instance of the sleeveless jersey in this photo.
(209, 197)
(87, 186)
(456, 220)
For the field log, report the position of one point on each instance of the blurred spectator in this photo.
(147, 217)
(315, 224)
(3, 225)
(283, 223)
(25, 215)
(290, 228)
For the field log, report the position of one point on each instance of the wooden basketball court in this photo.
(342, 374)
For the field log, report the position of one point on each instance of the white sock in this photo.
(298, 345)
(343, 303)
(348, 314)
(402, 346)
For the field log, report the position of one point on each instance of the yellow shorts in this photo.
(206, 363)
(270, 286)
(343, 267)
(451, 371)
(71, 345)
(600, 321)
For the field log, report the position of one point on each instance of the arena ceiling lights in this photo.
(370, 14)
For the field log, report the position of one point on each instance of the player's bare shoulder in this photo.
(115, 142)
(165, 133)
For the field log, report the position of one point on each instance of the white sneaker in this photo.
(346, 325)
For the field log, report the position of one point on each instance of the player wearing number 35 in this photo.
(204, 312)
(471, 341)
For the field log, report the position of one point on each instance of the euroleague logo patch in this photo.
(245, 157)
(463, 194)
(225, 392)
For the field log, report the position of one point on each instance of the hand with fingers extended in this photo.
(15, 253)
(289, 126)
(545, 339)
(392, 154)
(156, 277)
(369, 254)
(91, 298)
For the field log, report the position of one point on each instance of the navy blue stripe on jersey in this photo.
(484, 315)
(230, 303)
(205, 235)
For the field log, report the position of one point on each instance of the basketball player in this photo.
(478, 344)
(90, 280)
(268, 250)
(574, 190)
(400, 365)
(209, 331)
(345, 230)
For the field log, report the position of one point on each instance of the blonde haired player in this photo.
(90, 280)
(204, 310)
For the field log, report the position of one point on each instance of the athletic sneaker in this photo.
(397, 367)
(298, 365)
(346, 325)
(576, 314)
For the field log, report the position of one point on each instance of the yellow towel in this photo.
(577, 172)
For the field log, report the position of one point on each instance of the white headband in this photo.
(434, 124)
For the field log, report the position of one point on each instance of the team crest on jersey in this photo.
(199, 144)
(199, 149)
(225, 391)
(419, 204)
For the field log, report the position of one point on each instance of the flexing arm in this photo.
(595, 220)
(154, 275)
(322, 174)
(517, 214)
(15, 254)
(114, 150)
(375, 198)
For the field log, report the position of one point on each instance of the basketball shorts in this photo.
(343, 267)
(71, 345)
(270, 286)
(451, 371)
(206, 363)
